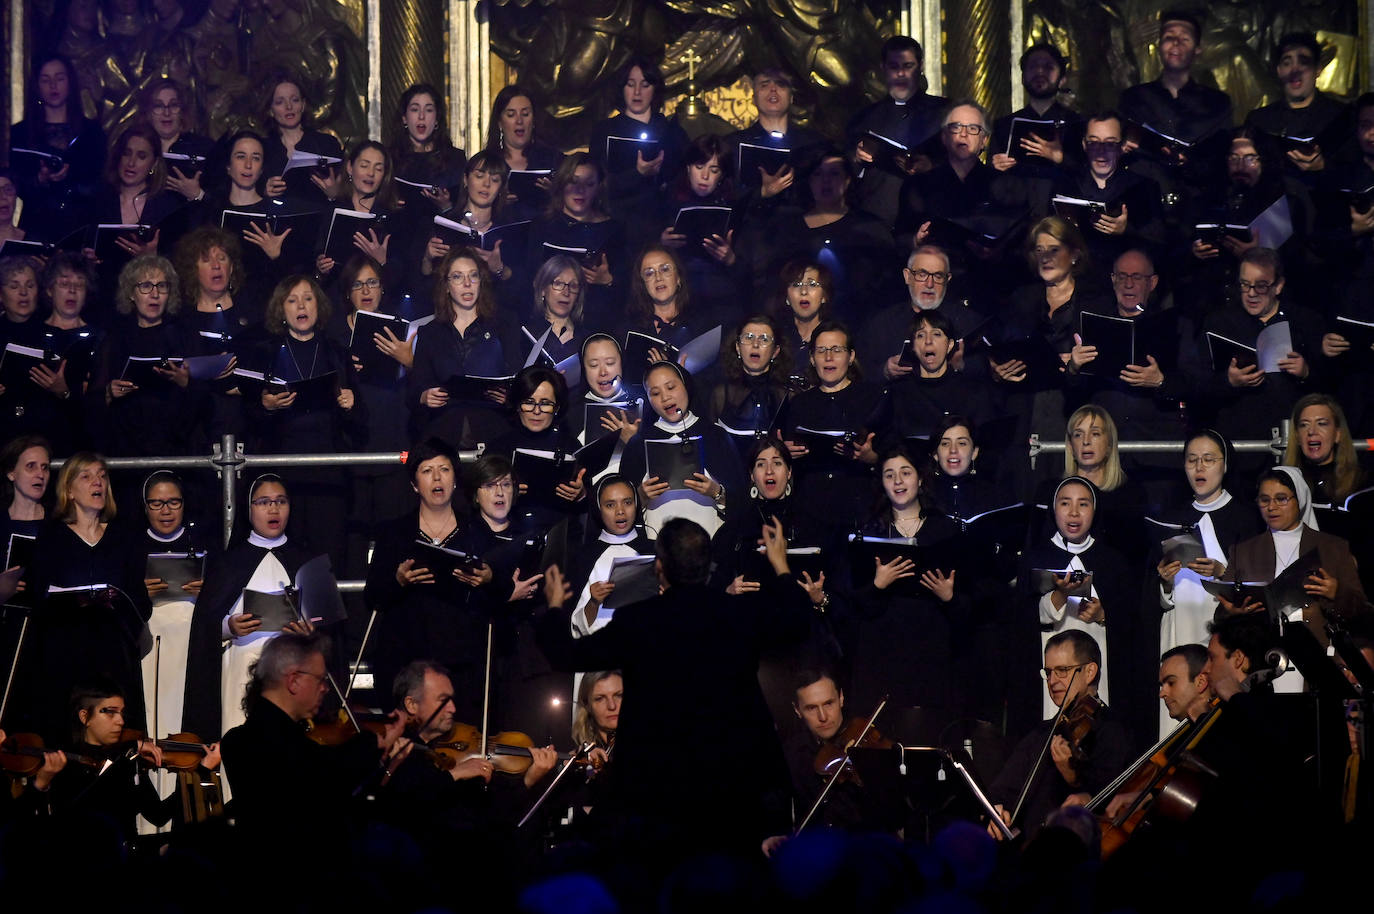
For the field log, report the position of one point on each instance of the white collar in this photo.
(678, 427)
(166, 539)
(618, 539)
(257, 540)
(1072, 548)
(1221, 501)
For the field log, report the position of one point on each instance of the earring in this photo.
(753, 491)
(787, 489)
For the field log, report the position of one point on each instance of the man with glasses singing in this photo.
(962, 204)
(1251, 394)
(1070, 774)
(1143, 396)
(927, 277)
(1130, 214)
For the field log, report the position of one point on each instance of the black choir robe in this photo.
(225, 579)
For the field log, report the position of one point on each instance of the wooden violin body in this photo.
(833, 755)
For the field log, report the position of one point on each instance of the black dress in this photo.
(488, 348)
(444, 621)
(604, 304)
(318, 494)
(157, 417)
(298, 183)
(73, 637)
(27, 408)
(906, 642)
(837, 491)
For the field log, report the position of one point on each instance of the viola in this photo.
(834, 753)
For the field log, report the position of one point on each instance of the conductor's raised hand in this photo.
(775, 546)
(557, 590)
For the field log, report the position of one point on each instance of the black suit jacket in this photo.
(690, 661)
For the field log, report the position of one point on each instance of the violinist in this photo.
(281, 779)
(438, 797)
(1078, 763)
(100, 774)
(819, 703)
(424, 695)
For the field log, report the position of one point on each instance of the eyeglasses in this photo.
(8, 190)
(157, 504)
(762, 339)
(538, 406)
(1278, 501)
(1249, 160)
(1260, 288)
(806, 284)
(281, 501)
(925, 276)
(466, 279)
(369, 284)
(1048, 673)
(953, 129)
(663, 269)
(321, 677)
(570, 285)
(1204, 460)
(147, 286)
(71, 282)
(169, 107)
(830, 350)
(1132, 279)
(498, 485)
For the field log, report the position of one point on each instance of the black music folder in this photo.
(178, 569)
(674, 460)
(622, 152)
(635, 579)
(375, 365)
(1114, 338)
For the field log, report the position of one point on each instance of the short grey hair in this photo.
(283, 655)
(932, 250)
(967, 103)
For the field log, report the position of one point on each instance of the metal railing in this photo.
(228, 460)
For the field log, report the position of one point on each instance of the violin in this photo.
(340, 730)
(1079, 721)
(833, 755)
(180, 751)
(22, 755)
(508, 751)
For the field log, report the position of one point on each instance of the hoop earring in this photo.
(753, 491)
(787, 490)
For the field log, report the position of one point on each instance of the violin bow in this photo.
(157, 684)
(1044, 750)
(839, 769)
(567, 766)
(486, 690)
(353, 676)
(14, 665)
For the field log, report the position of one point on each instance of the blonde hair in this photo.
(1348, 474)
(72, 468)
(584, 724)
(1113, 476)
